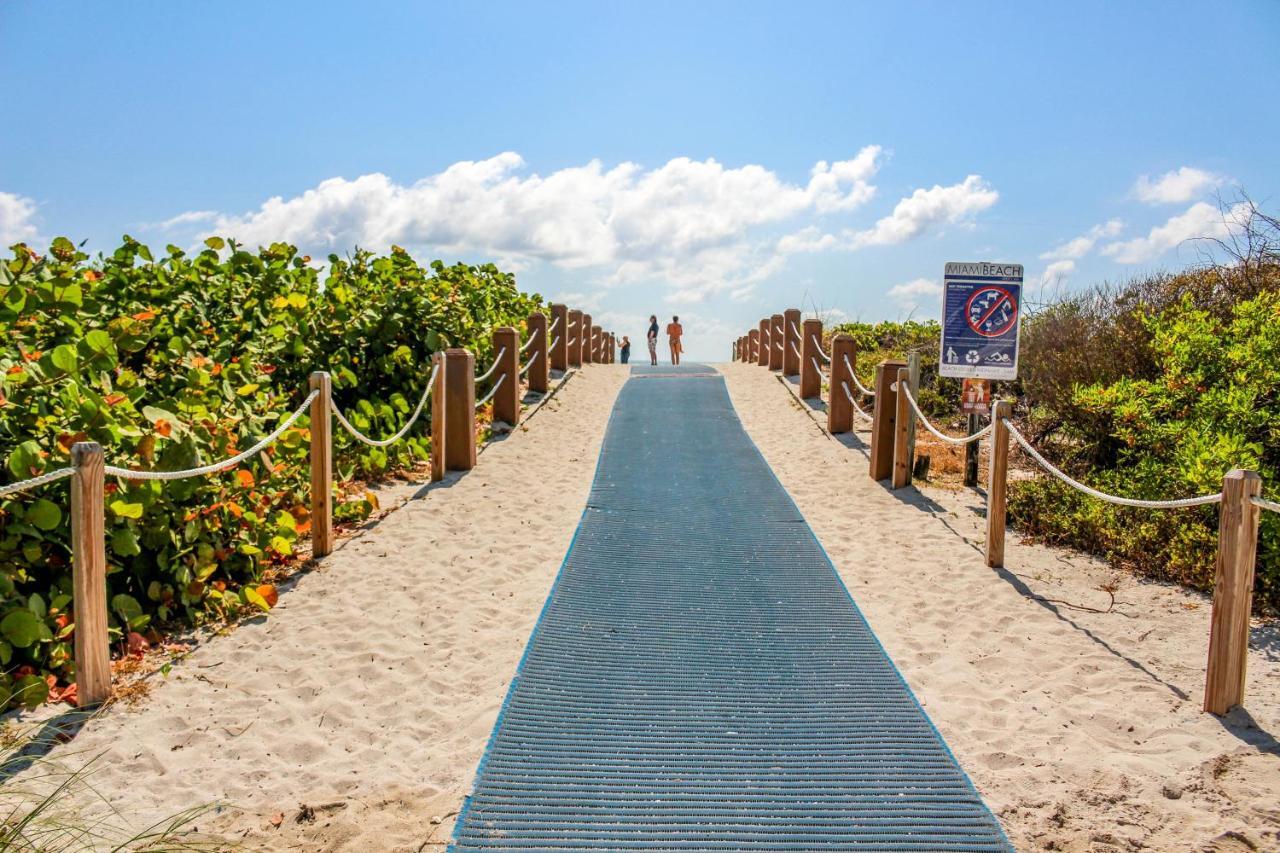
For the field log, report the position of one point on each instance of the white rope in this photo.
(127, 474)
(794, 330)
(552, 345)
(816, 366)
(529, 343)
(793, 348)
(844, 386)
(386, 442)
(817, 345)
(497, 359)
(1076, 484)
(47, 477)
(553, 325)
(1265, 504)
(573, 342)
(525, 369)
(492, 391)
(863, 388)
(778, 345)
(947, 438)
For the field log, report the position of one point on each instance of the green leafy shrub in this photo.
(939, 397)
(181, 360)
(1209, 402)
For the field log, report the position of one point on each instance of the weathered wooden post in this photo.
(998, 482)
(810, 367)
(539, 374)
(776, 342)
(506, 400)
(89, 575)
(884, 419)
(753, 346)
(913, 383)
(559, 333)
(1238, 520)
(902, 460)
(763, 354)
(321, 464)
(460, 409)
(597, 355)
(585, 340)
(839, 409)
(572, 336)
(439, 405)
(791, 342)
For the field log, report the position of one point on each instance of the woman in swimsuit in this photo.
(674, 331)
(653, 339)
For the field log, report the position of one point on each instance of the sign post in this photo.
(981, 318)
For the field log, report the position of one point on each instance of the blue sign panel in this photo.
(981, 316)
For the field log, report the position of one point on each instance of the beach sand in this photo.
(355, 715)
(1083, 730)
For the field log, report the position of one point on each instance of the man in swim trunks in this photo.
(674, 331)
(653, 339)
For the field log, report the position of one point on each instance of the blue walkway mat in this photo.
(700, 679)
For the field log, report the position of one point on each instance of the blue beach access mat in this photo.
(700, 678)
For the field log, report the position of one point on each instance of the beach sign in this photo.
(975, 397)
(981, 317)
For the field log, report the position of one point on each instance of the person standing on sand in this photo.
(674, 331)
(626, 348)
(653, 340)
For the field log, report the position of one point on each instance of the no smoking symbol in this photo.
(991, 311)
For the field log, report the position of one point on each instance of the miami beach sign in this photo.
(981, 316)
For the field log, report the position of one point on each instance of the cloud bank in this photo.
(17, 220)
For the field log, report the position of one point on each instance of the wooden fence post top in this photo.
(83, 451)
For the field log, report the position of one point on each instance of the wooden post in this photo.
(971, 454)
(573, 339)
(763, 353)
(839, 409)
(460, 409)
(902, 460)
(439, 405)
(913, 382)
(321, 465)
(1238, 520)
(89, 575)
(539, 374)
(791, 342)
(597, 352)
(613, 348)
(884, 419)
(997, 482)
(584, 340)
(560, 352)
(506, 400)
(810, 374)
(753, 346)
(776, 342)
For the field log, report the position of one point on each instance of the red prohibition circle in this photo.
(975, 326)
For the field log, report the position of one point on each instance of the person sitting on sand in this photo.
(653, 339)
(674, 331)
(626, 348)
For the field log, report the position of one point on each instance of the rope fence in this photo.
(892, 457)
(450, 386)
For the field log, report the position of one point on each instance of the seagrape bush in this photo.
(181, 360)
(889, 340)
(1209, 402)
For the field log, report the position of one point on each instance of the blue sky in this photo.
(722, 161)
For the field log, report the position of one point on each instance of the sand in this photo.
(1083, 730)
(369, 693)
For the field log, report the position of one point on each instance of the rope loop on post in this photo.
(492, 391)
(47, 477)
(1115, 499)
(497, 359)
(525, 369)
(126, 473)
(817, 345)
(386, 442)
(857, 410)
(931, 428)
(863, 388)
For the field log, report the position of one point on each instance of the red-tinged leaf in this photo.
(144, 315)
(33, 356)
(16, 370)
(114, 399)
(245, 478)
(137, 644)
(269, 594)
(164, 427)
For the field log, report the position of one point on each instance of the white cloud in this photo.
(924, 209)
(1055, 274)
(1201, 220)
(912, 294)
(1174, 187)
(688, 223)
(1081, 246)
(911, 217)
(17, 219)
